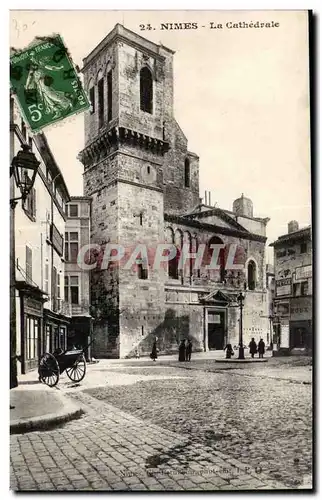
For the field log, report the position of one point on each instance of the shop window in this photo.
(187, 173)
(32, 330)
(28, 264)
(101, 103)
(303, 248)
(48, 339)
(146, 90)
(251, 275)
(92, 99)
(109, 96)
(71, 246)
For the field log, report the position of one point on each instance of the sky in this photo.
(241, 97)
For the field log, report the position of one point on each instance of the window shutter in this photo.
(34, 202)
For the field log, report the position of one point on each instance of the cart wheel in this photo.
(77, 372)
(48, 370)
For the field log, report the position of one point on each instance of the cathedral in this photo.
(144, 186)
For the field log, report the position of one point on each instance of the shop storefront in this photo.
(55, 331)
(31, 325)
(301, 323)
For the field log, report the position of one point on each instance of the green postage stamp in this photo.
(46, 83)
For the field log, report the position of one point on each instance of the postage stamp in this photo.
(45, 82)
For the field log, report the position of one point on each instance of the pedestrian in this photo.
(154, 353)
(252, 347)
(188, 350)
(261, 348)
(182, 350)
(229, 351)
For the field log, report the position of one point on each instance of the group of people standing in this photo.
(253, 349)
(185, 350)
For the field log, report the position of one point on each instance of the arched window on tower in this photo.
(187, 173)
(146, 90)
(251, 275)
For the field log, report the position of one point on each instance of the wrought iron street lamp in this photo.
(240, 299)
(24, 168)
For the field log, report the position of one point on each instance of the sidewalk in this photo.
(37, 407)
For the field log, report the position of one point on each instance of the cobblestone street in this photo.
(209, 427)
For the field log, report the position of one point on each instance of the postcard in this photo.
(161, 327)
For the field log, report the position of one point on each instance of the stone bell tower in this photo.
(130, 83)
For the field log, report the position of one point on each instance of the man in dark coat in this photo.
(154, 353)
(182, 350)
(252, 347)
(261, 348)
(188, 350)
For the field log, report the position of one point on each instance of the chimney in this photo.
(293, 226)
(205, 197)
(209, 198)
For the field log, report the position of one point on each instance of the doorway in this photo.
(216, 329)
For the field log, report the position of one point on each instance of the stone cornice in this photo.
(115, 136)
(219, 213)
(213, 228)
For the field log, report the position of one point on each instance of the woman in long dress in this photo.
(182, 351)
(154, 353)
(55, 101)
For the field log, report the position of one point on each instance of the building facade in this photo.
(270, 286)
(42, 316)
(293, 289)
(144, 185)
(76, 278)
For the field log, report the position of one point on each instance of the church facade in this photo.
(144, 186)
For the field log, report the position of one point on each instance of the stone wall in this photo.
(177, 197)
(141, 300)
(131, 61)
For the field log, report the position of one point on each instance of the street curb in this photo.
(69, 412)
